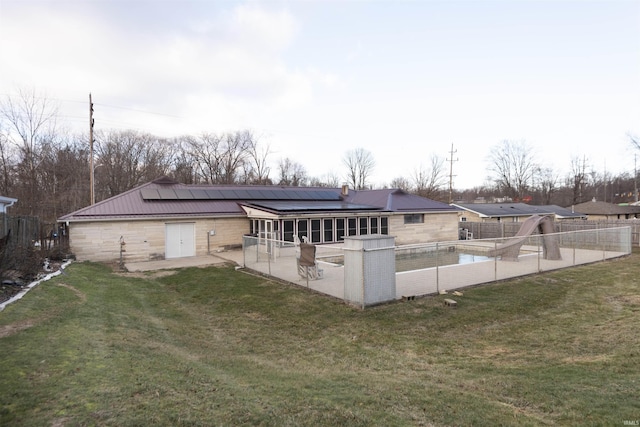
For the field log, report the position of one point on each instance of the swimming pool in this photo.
(431, 259)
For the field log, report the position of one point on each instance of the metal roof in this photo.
(167, 198)
(310, 206)
(396, 200)
(494, 210)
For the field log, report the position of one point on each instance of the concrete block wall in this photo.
(437, 227)
(145, 240)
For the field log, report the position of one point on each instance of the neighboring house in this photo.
(597, 210)
(512, 212)
(5, 202)
(166, 219)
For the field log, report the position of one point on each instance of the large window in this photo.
(414, 218)
(287, 230)
(384, 225)
(364, 226)
(315, 231)
(328, 229)
(353, 230)
(303, 229)
(340, 229)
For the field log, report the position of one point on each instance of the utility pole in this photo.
(635, 178)
(91, 184)
(451, 175)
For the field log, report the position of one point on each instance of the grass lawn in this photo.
(213, 346)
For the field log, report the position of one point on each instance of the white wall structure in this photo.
(369, 270)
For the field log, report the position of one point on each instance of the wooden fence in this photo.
(28, 230)
(497, 230)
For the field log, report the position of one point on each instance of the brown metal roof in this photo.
(166, 198)
(395, 200)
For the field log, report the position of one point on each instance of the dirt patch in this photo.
(14, 328)
(78, 293)
(147, 275)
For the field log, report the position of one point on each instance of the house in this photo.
(166, 219)
(5, 202)
(598, 210)
(512, 212)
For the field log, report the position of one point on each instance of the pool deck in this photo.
(433, 280)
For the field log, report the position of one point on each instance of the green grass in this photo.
(218, 347)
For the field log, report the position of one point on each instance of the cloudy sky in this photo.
(313, 79)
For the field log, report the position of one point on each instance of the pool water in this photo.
(419, 261)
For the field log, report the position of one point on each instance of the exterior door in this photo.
(180, 240)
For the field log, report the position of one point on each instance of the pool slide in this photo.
(509, 251)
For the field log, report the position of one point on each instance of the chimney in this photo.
(345, 190)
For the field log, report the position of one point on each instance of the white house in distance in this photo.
(166, 219)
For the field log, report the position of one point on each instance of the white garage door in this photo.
(180, 240)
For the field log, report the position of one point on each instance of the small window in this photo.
(374, 225)
(463, 219)
(414, 219)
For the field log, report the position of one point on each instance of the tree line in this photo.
(48, 169)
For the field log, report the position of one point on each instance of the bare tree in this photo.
(184, 164)
(548, 183)
(126, 159)
(512, 164)
(257, 167)
(360, 164)
(206, 154)
(220, 159)
(329, 180)
(428, 182)
(401, 182)
(64, 173)
(7, 165)
(577, 179)
(30, 124)
(291, 173)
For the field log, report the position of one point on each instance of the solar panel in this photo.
(149, 194)
(167, 194)
(198, 193)
(183, 194)
(215, 194)
(236, 193)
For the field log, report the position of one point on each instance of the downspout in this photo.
(4, 211)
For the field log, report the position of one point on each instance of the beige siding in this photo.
(437, 227)
(145, 240)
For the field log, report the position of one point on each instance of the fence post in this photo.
(437, 269)
(495, 261)
(539, 239)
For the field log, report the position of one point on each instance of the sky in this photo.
(405, 80)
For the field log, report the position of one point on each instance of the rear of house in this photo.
(166, 219)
